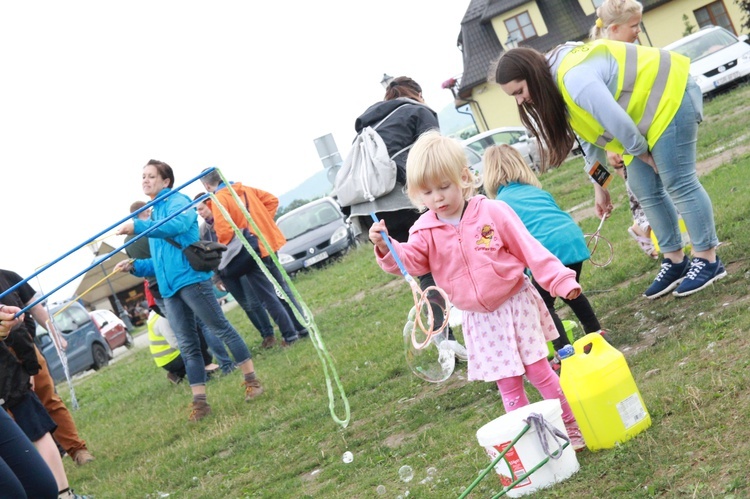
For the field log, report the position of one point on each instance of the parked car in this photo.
(87, 348)
(718, 59)
(516, 136)
(112, 328)
(314, 232)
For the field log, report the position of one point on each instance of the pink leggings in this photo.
(541, 375)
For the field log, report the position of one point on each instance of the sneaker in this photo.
(252, 389)
(668, 278)
(82, 456)
(198, 411)
(174, 379)
(576, 439)
(700, 275)
(458, 349)
(268, 342)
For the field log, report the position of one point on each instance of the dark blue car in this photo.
(87, 348)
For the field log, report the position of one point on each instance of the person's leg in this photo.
(245, 295)
(183, 323)
(216, 347)
(581, 306)
(299, 327)
(549, 302)
(66, 433)
(23, 472)
(48, 450)
(266, 292)
(544, 379)
(674, 154)
(200, 298)
(513, 393)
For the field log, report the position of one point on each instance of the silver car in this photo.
(515, 136)
(718, 59)
(314, 232)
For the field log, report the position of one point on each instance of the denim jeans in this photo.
(198, 300)
(242, 291)
(216, 346)
(255, 280)
(23, 472)
(276, 273)
(676, 186)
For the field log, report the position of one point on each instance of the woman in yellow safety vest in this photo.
(639, 102)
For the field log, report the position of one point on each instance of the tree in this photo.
(745, 7)
(689, 28)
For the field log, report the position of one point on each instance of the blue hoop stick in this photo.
(400, 264)
(113, 252)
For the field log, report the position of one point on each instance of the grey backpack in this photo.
(368, 171)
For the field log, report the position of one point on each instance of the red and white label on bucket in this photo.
(631, 411)
(513, 465)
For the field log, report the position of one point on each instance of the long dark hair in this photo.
(547, 117)
(403, 86)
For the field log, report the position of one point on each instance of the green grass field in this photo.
(690, 358)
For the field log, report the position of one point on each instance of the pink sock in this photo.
(541, 375)
(512, 392)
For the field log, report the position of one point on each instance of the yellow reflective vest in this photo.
(650, 86)
(162, 352)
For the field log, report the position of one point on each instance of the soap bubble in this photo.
(380, 490)
(434, 362)
(405, 473)
(431, 471)
(348, 457)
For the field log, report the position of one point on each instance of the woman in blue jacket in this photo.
(188, 294)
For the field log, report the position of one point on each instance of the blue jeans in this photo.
(242, 291)
(254, 283)
(216, 346)
(198, 300)
(276, 273)
(676, 186)
(23, 472)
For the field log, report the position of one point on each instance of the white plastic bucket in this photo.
(496, 435)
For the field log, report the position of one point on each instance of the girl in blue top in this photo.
(188, 294)
(507, 177)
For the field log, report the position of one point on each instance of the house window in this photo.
(714, 14)
(519, 27)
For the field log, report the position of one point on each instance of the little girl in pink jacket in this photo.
(477, 251)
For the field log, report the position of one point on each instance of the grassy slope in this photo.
(689, 358)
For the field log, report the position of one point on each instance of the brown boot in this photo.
(268, 342)
(199, 410)
(82, 456)
(252, 389)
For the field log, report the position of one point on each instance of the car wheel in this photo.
(129, 340)
(100, 356)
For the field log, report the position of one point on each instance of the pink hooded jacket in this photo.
(480, 263)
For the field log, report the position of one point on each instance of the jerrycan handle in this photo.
(592, 339)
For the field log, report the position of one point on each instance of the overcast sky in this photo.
(93, 89)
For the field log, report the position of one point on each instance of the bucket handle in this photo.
(538, 421)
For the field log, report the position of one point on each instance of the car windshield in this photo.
(307, 219)
(703, 46)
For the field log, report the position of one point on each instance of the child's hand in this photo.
(573, 294)
(376, 237)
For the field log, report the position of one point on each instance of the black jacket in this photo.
(402, 129)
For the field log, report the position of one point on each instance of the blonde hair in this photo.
(503, 164)
(433, 160)
(615, 12)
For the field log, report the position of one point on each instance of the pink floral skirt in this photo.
(502, 342)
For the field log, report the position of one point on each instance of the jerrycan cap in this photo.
(566, 351)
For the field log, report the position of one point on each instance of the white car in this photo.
(515, 136)
(717, 57)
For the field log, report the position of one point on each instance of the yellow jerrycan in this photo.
(602, 393)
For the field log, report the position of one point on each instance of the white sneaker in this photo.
(458, 349)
